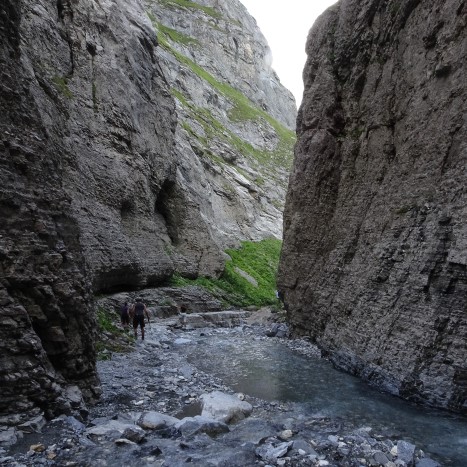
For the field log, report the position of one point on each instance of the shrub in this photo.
(259, 260)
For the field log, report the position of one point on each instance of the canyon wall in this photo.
(128, 154)
(47, 357)
(374, 261)
(234, 136)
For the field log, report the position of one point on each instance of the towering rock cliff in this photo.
(234, 137)
(374, 262)
(46, 322)
(123, 162)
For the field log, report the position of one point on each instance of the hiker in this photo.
(125, 315)
(138, 312)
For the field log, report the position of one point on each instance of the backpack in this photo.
(124, 310)
(139, 309)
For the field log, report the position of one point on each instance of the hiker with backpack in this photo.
(125, 315)
(138, 312)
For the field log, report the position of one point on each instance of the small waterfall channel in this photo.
(268, 369)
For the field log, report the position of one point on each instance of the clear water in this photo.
(269, 370)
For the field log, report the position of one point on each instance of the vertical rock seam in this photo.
(374, 261)
(46, 333)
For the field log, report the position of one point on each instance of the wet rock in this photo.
(405, 452)
(224, 407)
(278, 330)
(113, 430)
(272, 451)
(156, 421)
(199, 424)
(9, 436)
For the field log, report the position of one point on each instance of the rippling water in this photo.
(269, 370)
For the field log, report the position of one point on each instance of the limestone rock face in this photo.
(46, 320)
(234, 135)
(101, 94)
(374, 262)
(122, 162)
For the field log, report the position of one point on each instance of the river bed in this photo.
(304, 412)
(269, 370)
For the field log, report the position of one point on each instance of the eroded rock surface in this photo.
(46, 331)
(97, 192)
(235, 123)
(374, 264)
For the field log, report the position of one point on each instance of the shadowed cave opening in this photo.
(166, 206)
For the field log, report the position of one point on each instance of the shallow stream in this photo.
(267, 369)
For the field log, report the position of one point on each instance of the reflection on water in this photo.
(270, 371)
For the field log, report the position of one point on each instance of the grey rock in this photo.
(114, 430)
(238, 196)
(301, 444)
(380, 458)
(34, 425)
(109, 181)
(182, 341)
(214, 319)
(405, 452)
(9, 436)
(278, 330)
(271, 452)
(189, 426)
(224, 407)
(134, 433)
(75, 424)
(251, 430)
(375, 238)
(156, 421)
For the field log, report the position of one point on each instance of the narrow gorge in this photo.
(148, 149)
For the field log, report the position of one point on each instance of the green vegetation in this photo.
(259, 260)
(61, 83)
(111, 338)
(192, 5)
(213, 128)
(243, 109)
(172, 34)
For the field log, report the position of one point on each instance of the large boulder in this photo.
(224, 407)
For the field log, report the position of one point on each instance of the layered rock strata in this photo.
(46, 332)
(234, 128)
(374, 263)
(106, 185)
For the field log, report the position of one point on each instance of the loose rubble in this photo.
(159, 410)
